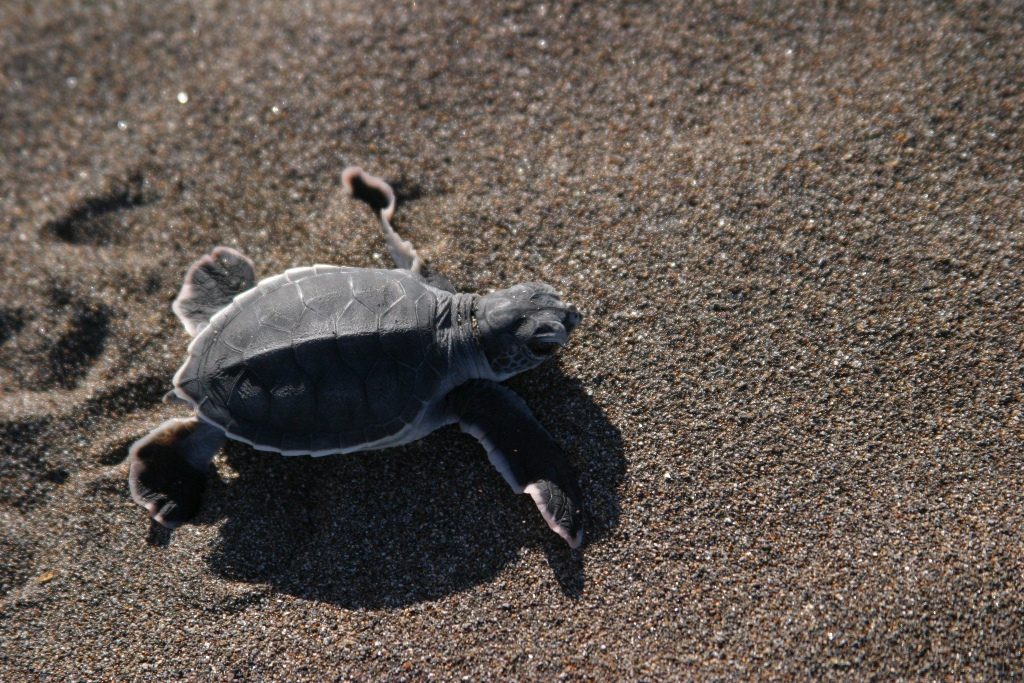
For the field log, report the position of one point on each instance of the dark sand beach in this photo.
(794, 403)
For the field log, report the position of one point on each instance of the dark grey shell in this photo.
(319, 360)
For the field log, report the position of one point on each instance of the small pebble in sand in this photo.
(46, 577)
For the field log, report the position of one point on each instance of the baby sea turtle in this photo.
(332, 359)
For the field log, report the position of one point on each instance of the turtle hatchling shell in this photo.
(318, 360)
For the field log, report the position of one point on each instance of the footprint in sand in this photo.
(100, 220)
(56, 347)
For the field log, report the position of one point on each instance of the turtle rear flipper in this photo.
(522, 451)
(168, 468)
(210, 285)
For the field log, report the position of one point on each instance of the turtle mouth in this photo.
(543, 348)
(551, 335)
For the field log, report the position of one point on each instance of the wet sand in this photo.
(794, 402)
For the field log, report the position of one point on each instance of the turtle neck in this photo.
(466, 356)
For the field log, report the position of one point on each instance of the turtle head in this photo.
(522, 326)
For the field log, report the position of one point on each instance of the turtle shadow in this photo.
(410, 524)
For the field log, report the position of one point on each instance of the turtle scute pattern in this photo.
(319, 360)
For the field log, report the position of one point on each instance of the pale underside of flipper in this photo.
(381, 198)
(523, 452)
(210, 285)
(167, 468)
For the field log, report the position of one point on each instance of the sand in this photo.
(794, 403)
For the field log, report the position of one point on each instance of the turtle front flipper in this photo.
(210, 285)
(522, 451)
(168, 468)
(381, 198)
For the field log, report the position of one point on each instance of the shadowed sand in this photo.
(794, 401)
